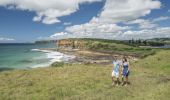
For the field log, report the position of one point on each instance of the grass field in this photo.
(150, 80)
(118, 47)
(111, 46)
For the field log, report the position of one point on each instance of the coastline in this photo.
(67, 81)
(82, 56)
(53, 55)
(75, 56)
(94, 57)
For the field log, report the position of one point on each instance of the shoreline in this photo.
(75, 56)
(97, 57)
(53, 55)
(82, 56)
(79, 81)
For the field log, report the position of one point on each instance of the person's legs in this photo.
(126, 81)
(127, 78)
(117, 81)
(123, 78)
(113, 80)
(123, 81)
(117, 78)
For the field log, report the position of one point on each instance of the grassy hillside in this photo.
(159, 62)
(114, 46)
(163, 40)
(120, 48)
(150, 80)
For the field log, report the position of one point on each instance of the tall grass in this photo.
(149, 81)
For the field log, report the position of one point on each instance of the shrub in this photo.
(57, 64)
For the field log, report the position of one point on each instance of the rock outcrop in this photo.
(72, 43)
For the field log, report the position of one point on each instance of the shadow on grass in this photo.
(6, 69)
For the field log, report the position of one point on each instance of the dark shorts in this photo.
(126, 73)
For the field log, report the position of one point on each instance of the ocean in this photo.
(165, 46)
(25, 56)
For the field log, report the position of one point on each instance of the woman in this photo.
(125, 71)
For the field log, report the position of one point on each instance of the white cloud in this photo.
(90, 28)
(116, 11)
(6, 39)
(94, 30)
(143, 24)
(48, 11)
(105, 25)
(37, 18)
(48, 20)
(161, 18)
(146, 24)
(56, 35)
(125, 10)
(160, 32)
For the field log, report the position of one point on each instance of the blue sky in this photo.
(31, 20)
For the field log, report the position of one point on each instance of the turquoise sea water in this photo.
(21, 56)
(165, 46)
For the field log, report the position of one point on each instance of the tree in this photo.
(145, 42)
(133, 41)
(139, 41)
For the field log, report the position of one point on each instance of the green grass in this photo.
(149, 79)
(113, 46)
(160, 61)
(119, 48)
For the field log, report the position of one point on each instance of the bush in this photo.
(145, 54)
(57, 64)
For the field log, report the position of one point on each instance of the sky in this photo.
(32, 20)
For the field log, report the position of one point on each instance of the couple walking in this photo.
(120, 68)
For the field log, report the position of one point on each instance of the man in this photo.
(116, 71)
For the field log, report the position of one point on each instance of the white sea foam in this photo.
(40, 50)
(40, 65)
(53, 56)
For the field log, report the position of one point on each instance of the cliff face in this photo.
(69, 43)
